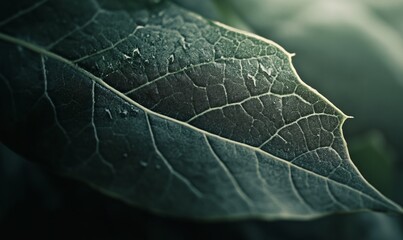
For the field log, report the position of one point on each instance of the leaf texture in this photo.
(168, 111)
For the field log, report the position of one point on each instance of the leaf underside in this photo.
(173, 113)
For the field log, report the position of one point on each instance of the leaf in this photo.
(165, 110)
(342, 46)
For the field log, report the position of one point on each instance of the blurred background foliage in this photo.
(350, 51)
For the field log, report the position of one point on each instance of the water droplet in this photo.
(267, 71)
(183, 43)
(135, 111)
(253, 79)
(108, 112)
(171, 58)
(123, 112)
(125, 155)
(143, 163)
(136, 51)
(138, 27)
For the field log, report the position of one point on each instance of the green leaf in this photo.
(165, 110)
(341, 47)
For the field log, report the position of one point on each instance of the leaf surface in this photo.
(341, 47)
(168, 111)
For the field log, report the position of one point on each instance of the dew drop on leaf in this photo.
(171, 58)
(135, 112)
(136, 51)
(123, 112)
(108, 112)
(126, 56)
